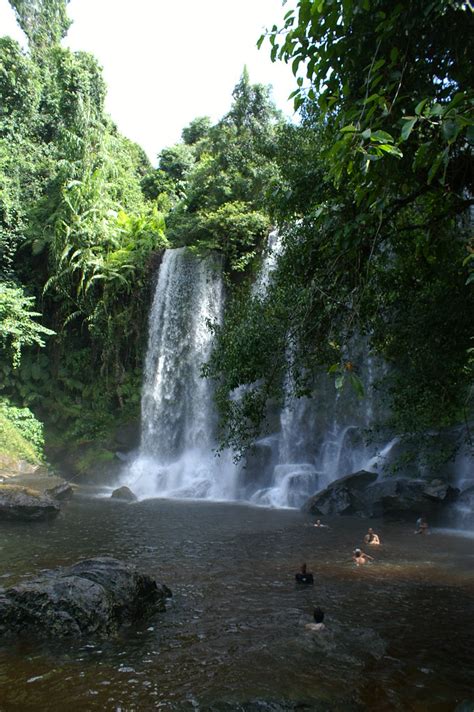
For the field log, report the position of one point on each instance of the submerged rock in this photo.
(124, 493)
(93, 596)
(62, 491)
(25, 504)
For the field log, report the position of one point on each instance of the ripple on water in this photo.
(234, 630)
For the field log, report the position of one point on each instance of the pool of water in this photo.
(399, 630)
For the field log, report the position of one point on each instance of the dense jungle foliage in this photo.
(371, 190)
(375, 205)
(77, 236)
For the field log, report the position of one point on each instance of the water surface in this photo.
(399, 631)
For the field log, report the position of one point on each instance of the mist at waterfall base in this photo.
(176, 457)
(314, 440)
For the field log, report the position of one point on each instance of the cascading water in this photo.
(176, 456)
(319, 438)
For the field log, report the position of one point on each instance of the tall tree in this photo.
(44, 22)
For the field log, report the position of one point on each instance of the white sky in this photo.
(166, 62)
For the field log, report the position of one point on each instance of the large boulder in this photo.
(93, 596)
(343, 496)
(365, 495)
(23, 503)
(404, 497)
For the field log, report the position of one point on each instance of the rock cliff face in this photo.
(94, 596)
(367, 495)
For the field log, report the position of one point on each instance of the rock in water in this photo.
(363, 494)
(343, 496)
(124, 493)
(93, 596)
(62, 491)
(23, 503)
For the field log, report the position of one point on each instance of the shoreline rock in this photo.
(94, 596)
(24, 504)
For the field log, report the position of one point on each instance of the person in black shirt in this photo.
(304, 576)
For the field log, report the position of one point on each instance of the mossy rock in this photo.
(26, 504)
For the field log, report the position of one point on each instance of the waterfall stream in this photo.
(315, 440)
(176, 457)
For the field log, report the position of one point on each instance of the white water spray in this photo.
(176, 457)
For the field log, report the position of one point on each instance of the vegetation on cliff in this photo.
(374, 200)
(77, 235)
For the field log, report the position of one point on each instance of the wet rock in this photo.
(354, 646)
(125, 494)
(127, 435)
(62, 491)
(440, 491)
(25, 504)
(94, 596)
(466, 498)
(365, 495)
(343, 496)
(408, 498)
(260, 462)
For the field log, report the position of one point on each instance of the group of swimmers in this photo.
(359, 557)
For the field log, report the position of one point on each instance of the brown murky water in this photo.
(399, 631)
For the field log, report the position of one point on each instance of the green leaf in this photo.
(408, 127)
(451, 129)
(419, 107)
(381, 136)
(357, 385)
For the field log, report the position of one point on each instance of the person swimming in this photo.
(422, 525)
(360, 558)
(318, 615)
(372, 538)
(304, 576)
(319, 524)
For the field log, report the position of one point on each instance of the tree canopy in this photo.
(373, 199)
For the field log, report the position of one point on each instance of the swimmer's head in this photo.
(357, 552)
(318, 615)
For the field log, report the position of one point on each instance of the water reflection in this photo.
(400, 628)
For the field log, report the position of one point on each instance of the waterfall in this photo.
(318, 438)
(323, 437)
(176, 457)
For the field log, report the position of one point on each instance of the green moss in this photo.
(14, 444)
(94, 455)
